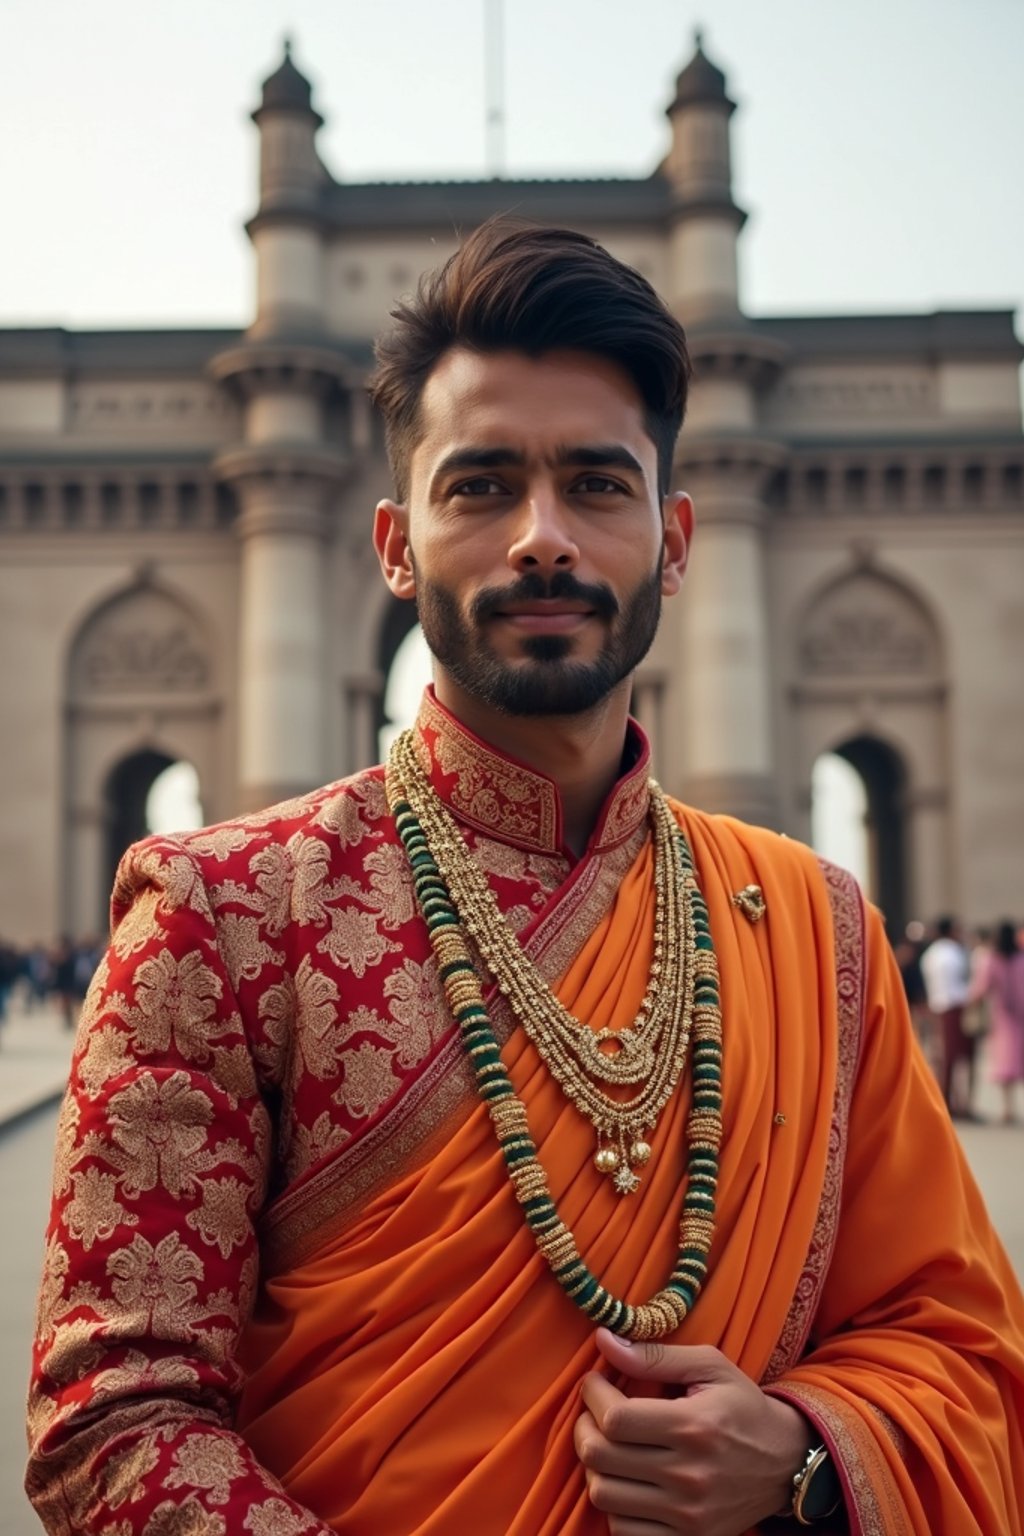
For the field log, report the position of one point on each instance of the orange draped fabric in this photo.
(419, 1373)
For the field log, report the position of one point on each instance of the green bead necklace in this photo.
(664, 1313)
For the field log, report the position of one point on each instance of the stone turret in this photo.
(287, 230)
(703, 280)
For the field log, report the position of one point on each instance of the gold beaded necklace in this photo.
(464, 995)
(650, 1053)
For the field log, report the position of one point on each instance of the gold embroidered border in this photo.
(628, 806)
(529, 817)
(304, 1217)
(873, 1502)
(847, 905)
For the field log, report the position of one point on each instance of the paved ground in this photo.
(33, 1058)
(34, 1051)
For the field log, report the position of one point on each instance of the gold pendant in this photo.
(618, 1163)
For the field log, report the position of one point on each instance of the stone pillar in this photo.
(728, 750)
(363, 697)
(283, 523)
(281, 645)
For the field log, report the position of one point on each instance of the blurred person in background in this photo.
(908, 958)
(946, 972)
(998, 979)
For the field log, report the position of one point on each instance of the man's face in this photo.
(534, 540)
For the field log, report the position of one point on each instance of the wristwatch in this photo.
(817, 1491)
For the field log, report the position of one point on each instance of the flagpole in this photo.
(494, 86)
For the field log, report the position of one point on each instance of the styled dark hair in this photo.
(524, 288)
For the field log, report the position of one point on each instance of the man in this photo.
(945, 969)
(387, 1099)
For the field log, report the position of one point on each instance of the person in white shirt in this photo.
(946, 971)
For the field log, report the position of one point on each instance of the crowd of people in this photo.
(962, 992)
(48, 974)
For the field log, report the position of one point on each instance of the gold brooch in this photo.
(751, 903)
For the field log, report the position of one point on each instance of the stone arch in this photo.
(868, 667)
(141, 688)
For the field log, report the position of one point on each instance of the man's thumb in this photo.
(684, 1365)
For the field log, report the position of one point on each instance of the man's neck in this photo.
(581, 754)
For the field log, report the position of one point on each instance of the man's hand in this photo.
(715, 1457)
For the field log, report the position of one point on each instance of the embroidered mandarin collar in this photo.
(503, 798)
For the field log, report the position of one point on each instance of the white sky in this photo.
(877, 146)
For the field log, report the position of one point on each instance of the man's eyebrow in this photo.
(584, 455)
(478, 458)
(599, 456)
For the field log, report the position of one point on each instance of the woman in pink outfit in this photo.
(1001, 981)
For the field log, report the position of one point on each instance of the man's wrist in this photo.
(796, 1438)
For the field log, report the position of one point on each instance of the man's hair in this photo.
(944, 926)
(523, 288)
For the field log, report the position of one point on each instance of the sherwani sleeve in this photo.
(914, 1373)
(151, 1251)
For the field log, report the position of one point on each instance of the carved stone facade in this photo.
(185, 566)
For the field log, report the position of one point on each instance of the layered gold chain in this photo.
(649, 1054)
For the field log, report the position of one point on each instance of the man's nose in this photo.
(542, 539)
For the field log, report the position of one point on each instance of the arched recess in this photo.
(128, 795)
(142, 693)
(869, 683)
(883, 775)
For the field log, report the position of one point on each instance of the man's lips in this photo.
(548, 618)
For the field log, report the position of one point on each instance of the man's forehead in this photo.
(511, 396)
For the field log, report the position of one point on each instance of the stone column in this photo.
(727, 750)
(283, 670)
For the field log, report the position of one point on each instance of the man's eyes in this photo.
(583, 485)
(593, 485)
(480, 485)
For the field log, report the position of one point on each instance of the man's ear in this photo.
(391, 541)
(677, 516)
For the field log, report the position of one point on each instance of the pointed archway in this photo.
(124, 802)
(129, 803)
(141, 696)
(869, 686)
(882, 777)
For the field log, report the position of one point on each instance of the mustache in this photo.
(533, 588)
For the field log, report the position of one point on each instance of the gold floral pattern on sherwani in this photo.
(268, 1019)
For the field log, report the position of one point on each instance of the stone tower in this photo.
(716, 709)
(287, 470)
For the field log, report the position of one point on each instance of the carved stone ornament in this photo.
(868, 627)
(143, 643)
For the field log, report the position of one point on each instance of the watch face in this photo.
(823, 1491)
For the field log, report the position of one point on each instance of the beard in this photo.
(546, 681)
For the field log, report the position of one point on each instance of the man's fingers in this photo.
(629, 1420)
(622, 1525)
(622, 1496)
(687, 1365)
(643, 1463)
